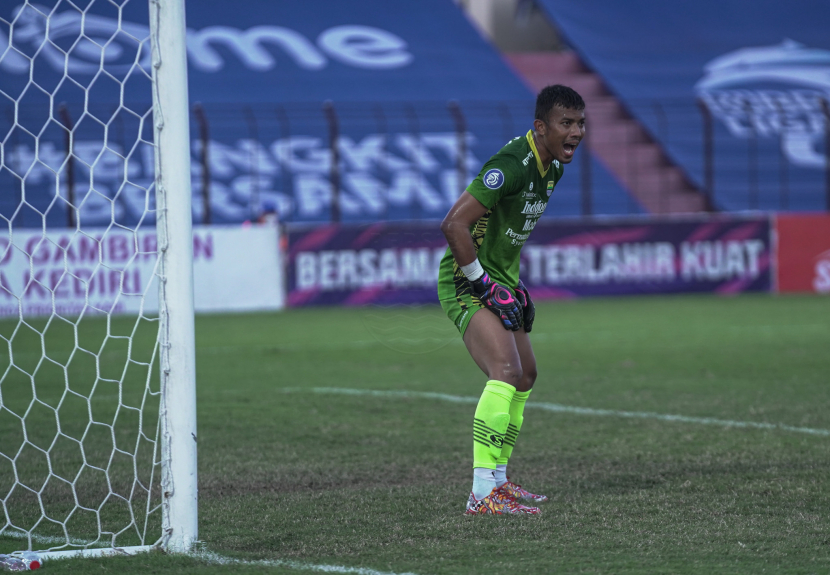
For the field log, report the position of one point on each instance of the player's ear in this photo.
(539, 126)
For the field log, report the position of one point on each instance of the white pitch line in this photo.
(211, 557)
(555, 407)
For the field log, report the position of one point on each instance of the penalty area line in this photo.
(557, 408)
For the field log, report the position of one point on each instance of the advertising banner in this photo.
(395, 264)
(803, 253)
(261, 71)
(115, 271)
(673, 256)
(383, 263)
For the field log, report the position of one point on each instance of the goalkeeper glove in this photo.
(528, 309)
(498, 300)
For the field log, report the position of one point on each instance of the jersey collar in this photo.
(532, 143)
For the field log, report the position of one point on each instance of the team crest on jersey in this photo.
(550, 188)
(493, 179)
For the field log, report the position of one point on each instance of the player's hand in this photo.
(528, 309)
(498, 300)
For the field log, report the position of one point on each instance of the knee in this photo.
(529, 375)
(528, 378)
(508, 373)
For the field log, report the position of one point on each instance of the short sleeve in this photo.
(560, 171)
(498, 178)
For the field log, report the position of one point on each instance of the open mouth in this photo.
(569, 149)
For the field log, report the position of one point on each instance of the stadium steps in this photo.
(616, 139)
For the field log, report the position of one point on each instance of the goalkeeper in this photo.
(480, 289)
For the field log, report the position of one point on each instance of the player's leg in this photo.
(517, 407)
(494, 350)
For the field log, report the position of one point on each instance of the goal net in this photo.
(96, 310)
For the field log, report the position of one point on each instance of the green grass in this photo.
(381, 482)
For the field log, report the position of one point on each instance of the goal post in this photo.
(97, 336)
(175, 244)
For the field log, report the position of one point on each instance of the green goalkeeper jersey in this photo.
(515, 188)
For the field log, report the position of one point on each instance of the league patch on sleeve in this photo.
(493, 179)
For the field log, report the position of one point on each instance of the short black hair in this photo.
(557, 95)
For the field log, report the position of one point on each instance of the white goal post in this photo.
(175, 244)
(98, 399)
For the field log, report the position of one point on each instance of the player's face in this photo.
(561, 134)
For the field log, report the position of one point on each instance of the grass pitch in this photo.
(302, 478)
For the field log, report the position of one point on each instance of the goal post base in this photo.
(92, 553)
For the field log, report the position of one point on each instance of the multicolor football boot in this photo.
(517, 492)
(499, 502)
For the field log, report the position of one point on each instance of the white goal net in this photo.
(91, 351)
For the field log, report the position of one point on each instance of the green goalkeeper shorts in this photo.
(460, 310)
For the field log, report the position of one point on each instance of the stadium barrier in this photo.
(803, 253)
(268, 267)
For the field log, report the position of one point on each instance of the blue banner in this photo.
(419, 100)
(260, 51)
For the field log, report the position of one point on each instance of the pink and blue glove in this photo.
(498, 300)
(528, 309)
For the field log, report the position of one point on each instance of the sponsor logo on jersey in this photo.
(534, 209)
(527, 158)
(531, 186)
(749, 89)
(527, 195)
(529, 225)
(510, 233)
(550, 188)
(516, 239)
(493, 179)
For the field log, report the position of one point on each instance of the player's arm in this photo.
(456, 228)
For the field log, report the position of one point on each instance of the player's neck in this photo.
(545, 157)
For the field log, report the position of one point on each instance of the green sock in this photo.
(517, 408)
(490, 424)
